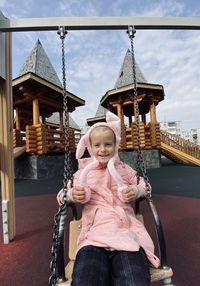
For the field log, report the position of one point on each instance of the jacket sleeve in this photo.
(76, 183)
(139, 186)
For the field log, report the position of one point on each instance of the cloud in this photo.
(15, 9)
(147, 8)
(163, 57)
(2, 3)
(94, 58)
(78, 8)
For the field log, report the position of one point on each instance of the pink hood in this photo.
(113, 122)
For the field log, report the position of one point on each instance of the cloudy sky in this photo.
(94, 58)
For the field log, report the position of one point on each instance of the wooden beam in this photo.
(18, 119)
(77, 100)
(135, 111)
(47, 101)
(61, 121)
(23, 100)
(6, 140)
(130, 120)
(50, 104)
(153, 112)
(36, 112)
(144, 118)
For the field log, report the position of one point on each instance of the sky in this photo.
(94, 58)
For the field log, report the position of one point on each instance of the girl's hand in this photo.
(60, 196)
(128, 195)
(78, 195)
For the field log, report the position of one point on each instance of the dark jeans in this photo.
(95, 266)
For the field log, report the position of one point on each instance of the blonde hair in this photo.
(102, 128)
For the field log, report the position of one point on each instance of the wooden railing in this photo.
(180, 144)
(54, 140)
(40, 139)
(149, 136)
(19, 138)
(35, 139)
(45, 140)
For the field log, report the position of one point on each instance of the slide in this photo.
(178, 155)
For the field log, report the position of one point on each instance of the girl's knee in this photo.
(91, 267)
(130, 268)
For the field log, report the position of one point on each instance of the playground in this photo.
(28, 206)
(25, 261)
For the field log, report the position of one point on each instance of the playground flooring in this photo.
(176, 192)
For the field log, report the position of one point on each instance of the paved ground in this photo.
(176, 190)
(170, 179)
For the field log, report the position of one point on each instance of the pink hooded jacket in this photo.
(107, 221)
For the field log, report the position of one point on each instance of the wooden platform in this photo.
(179, 155)
(18, 151)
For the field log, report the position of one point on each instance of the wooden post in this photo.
(153, 123)
(134, 108)
(130, 120)
(61, 121)
(36, 112)
(141, 129)
(144, 119)
(18, 121)
(153, 112)
(6, 144)
(43, 120)
(120, 114)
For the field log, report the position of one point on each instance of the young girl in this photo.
(114, 248)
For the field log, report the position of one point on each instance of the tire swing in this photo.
(61, 274)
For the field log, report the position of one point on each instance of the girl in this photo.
(114, 248)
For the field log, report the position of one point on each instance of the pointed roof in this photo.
(101, 111)
(126, 72)
(124, 87)
(125, 78)
(38, 63)
(99, 116)
(38, 79)
(55, 119)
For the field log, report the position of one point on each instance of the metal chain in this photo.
(53, 263)
(67, 162)
(140, 161)
(67, 169)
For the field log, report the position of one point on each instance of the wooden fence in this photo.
(40, 139)
(180, 144)
(149, 136)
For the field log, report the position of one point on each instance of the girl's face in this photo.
(102, 144)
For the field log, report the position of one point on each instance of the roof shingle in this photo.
(38, 63)
(126, 72)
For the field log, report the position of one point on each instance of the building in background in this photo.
(193, 135)
(173, 127)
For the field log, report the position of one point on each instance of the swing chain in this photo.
(140, 161)
(67, 162)
(67, 169)
(53, 263)
(62, 32)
